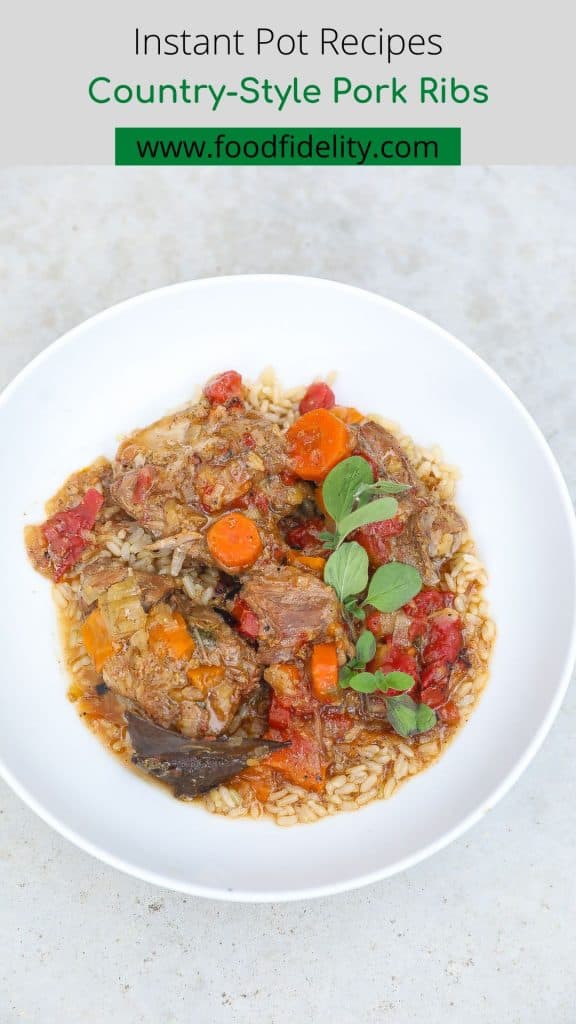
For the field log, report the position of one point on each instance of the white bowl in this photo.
(141, 358)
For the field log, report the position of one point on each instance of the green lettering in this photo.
(93, 85)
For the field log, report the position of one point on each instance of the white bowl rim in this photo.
(512, 776)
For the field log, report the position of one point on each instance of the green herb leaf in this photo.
(402, 715)
(365, 647)
(425, 718)
(392, 585)
(364, 682)
(342, 483)
(347, 570)
(408, 718)
(394, 681)
(329, 540)
(351, 607)
(373, 512)
(366, 492)
(345, 675)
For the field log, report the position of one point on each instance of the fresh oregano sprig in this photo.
(406, 717)
(352, 499)
(351, 483)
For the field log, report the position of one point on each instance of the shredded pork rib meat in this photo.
(199, 462)
(101, 573)
(197, 694)
(293, 609)
(432, 531)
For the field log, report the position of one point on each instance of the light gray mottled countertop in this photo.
(485, 930)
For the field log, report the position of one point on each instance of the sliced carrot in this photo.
(348, 414)
(317, 441)
(314, 563)
(97, 639)
(324, 673)
(234, 541)
(170, 635)
(205, 677)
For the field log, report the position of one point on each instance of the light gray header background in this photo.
(522, 51)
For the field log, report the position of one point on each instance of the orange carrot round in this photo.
(324, 673)
(317, 441)
(234, 541)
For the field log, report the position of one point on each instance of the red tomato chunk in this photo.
(443, 646)
(378, 623)
(248, 623)
(65, 532)
(374, 539)
(427, 601)
(224, 388)
(391, 658)
(305, 535)
(318, 396)
(444, 638)
(279, 716)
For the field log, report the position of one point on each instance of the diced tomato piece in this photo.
(65, 532)
(88, 508)
(318, 396)
(434, 675)
(378, 623)
(444, 637)
(390, 658)
(417, 628)
(375, 538)
(249, 440)
(143, 484)
(435, 696)
(301, 762)
(279, 715)
(224, 388)
(305, 535)
(248, 624)
(427, 601)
